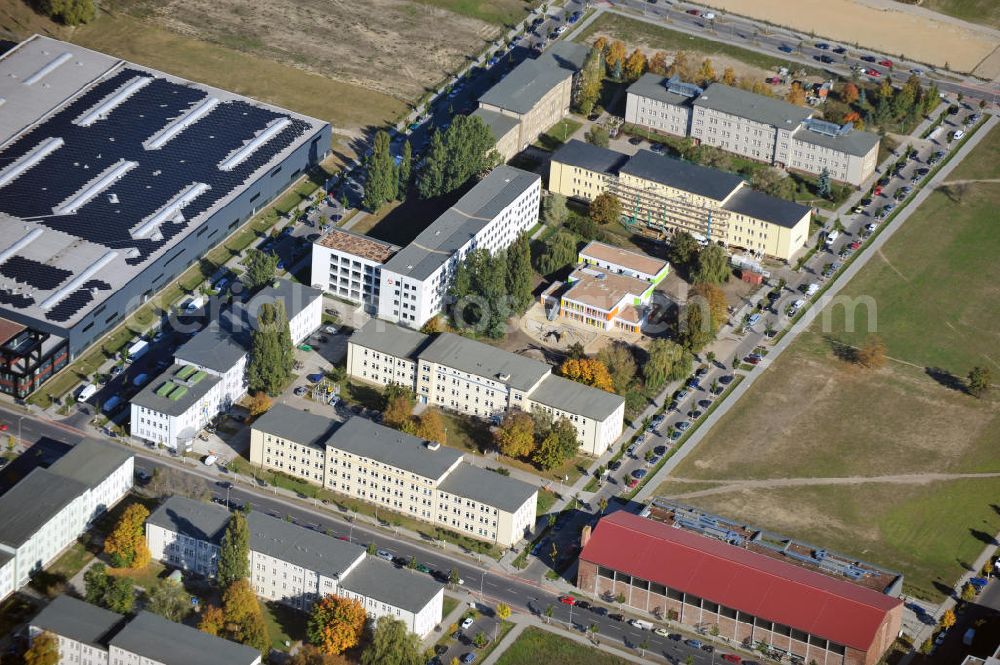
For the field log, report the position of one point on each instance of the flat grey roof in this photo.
(301, 546)
(164, 641)
(302, 427)
(25, 103)
(163, 403)
(459, 224)
(406, 589)
(653, 86)
(559, 393)
(296, 297)
(77, 620)
(489, 487)
(31, 503)
(90, 462)
(362, 437)
(196, 519)
(568, 55)
(745, 104)
(526, 85)
(591, 157)
(769, 208)
(500, 125)
(385, 337)
(468, 355)
(215, 346)
(685, 176)
(855, 143)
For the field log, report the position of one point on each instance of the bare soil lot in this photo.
(397, 47)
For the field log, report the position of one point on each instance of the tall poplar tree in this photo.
(234, 555)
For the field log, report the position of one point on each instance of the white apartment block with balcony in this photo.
(397, 471)
(349, 266)
(46, 512)
(463, 375)
(413, 284)
(293, 565)
(762, 128)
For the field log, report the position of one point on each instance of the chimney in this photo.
(584, 536)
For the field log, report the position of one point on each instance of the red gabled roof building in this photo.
(752, 599)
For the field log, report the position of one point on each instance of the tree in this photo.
(271, 353)
(44, 650)
(405, 170)
(69, 12)
(110, 592)
(554, 210)
(169, 600)
(849, 93)
(430, 180)
(453, 577)
(244, 618)
(548, 613)
(823, 184)
(683, 249)
(259, 404)
(591, 81)
(680, 66)
(519, 274)
(480, 293)
(614, 58)
(516, 435)
(398, 412)
(598, 136)
(948, 619)
(430, 426)
(558, 445)
(796, 95)
(213, 621)
(336, 624)
(658, 63)
(712, 266)
(635, 65)
(465, 150)
(392, 644)
(968, 592)
(260, 269)
(697, 330)
(559, 251)
(605, 208)
(588, 371)
(127, 545)
(706, 74)
(979, 381)
(927, 646)
(715, 301)
(667, 361)
(234, 554)
(382, 183)
(503, 611)
(729, 76)
(872, 353)
(618, 358)
(603, 504)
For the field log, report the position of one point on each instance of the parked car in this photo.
(385, 555)
(662, 632)
(732, 658)
(785, 48)
(639, 474)
(683, 426)
(694, 644)
(567, 600)
(616, 617)
(466, 623)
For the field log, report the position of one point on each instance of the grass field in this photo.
(501, 12)
(985, 12)
(931, 286)
(535, 645)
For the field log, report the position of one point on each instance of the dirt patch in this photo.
(886, 27)
(397, 47)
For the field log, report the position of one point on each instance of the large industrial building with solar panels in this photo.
(762, 128)
(114, 178)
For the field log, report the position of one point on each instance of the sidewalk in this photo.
(523, 621)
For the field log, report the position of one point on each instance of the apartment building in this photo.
(463, 375)
(624, 262)
(90, 635)
(661, 195)
(762, 128)
(294, 565)
(349, 266)
(414, 282)
(536, 95)
(49, 508)
(401, 472)
(209, 371)
(506, 131)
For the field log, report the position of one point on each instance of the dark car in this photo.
(823, 45)
(676, 637)
(824, 59)
(660, 450)
(583, 604)
(707, 648)
(785, 48)
(840, 50)
(599, 611)
(635, 140)
(615, 465)
(639, 474)
(616, 617)
(868, 58)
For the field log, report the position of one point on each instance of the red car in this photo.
(855, 245)
(694, 12)
(3, 427)
(886, 63)
(878, 190)
(731, 657)
(874, 73)
(567, 600)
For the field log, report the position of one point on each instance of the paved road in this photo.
(758, 36)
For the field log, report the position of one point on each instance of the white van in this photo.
(832, 236)
(86, 392)
(640, 624)
(812, 289)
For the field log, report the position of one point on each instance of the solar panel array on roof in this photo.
(676, 85)
(827, 128)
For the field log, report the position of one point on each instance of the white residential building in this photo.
(90, 635)
(349, 266)
(460, 374)
(763, 128)
(294, 565)
(210, 370)
(403, 473)
(46, 511)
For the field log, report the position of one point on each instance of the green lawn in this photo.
(147, 577)
(500, 12)
(545, 501)
(448, 605)
(284, 624)
(985, 12)
(929, 292)
(536, 645)
(559, 133)
(72, 561)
